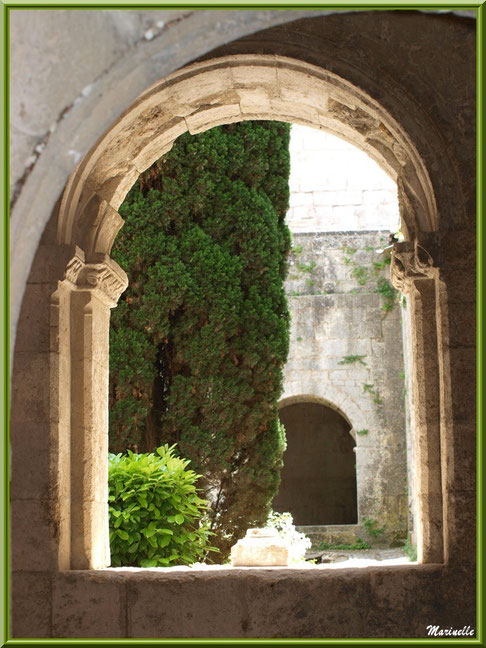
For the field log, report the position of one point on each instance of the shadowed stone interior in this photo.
(319, 475)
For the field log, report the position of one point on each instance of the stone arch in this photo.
(329, 395)
(224, 90)
(194, 99)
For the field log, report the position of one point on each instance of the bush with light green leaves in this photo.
(156, 515)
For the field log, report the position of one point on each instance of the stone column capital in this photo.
(97, 272)
(413, 261)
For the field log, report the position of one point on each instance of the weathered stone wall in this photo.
(334, 186)
(346, 350)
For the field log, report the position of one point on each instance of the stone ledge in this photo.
(210, 572)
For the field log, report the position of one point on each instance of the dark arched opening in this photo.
(318, 480)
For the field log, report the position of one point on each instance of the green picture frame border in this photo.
(359, 5)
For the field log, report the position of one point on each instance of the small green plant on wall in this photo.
(387, 293)
(352, 359)
(372, 527)
(362, 432)
(370, 389)
(309, 267)
(410, 550)
(363, 274)
(360, 273)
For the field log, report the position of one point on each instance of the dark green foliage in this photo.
(155, 511)
(200, 337)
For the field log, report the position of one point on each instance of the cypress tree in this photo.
(200, 337)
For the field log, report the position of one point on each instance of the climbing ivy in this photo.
(364, 273)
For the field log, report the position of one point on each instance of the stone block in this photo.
(87, 604)
(29, 472)
(31, 601)
(392, 608)
(301, 198)
(302, 88)
(187, 605)
(430, 546)
(254, 100)
(30, 387)
(460, 285)
(158, 145)
(34, 535)
(259, 548)
(460, 525)
(463, 378)
(462, 324)
(212, 85)
(29, 437)
(33, 331)
(254, 76)
(201, 120)
(456, 249)
(460, 460)
(302, 604)
(332, 198)
(380, 196)
(89, 539)
(289, 111)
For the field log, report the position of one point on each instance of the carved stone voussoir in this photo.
(97, 272)
(411, 261)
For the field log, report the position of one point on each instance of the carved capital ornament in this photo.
(97, 272)
(411, 261)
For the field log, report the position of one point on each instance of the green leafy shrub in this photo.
(155, 511)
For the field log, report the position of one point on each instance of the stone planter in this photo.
(260, 548)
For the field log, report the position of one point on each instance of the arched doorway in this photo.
(318, 480)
